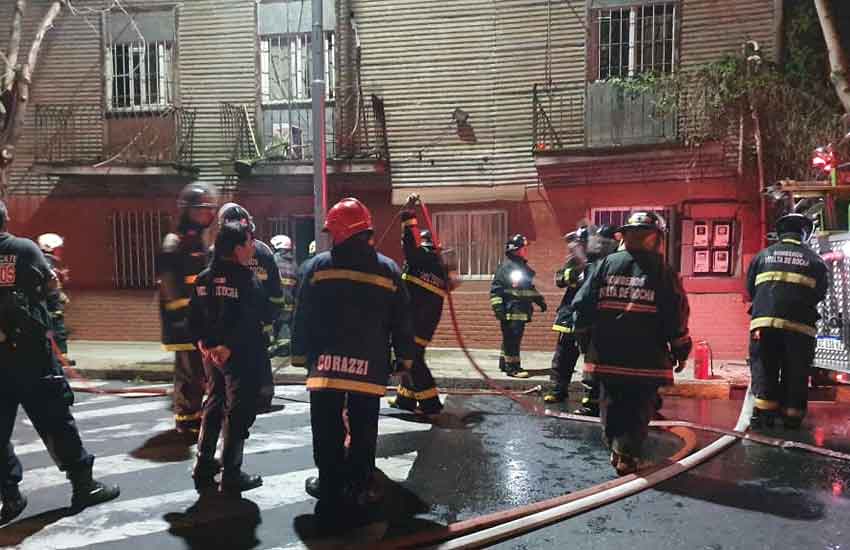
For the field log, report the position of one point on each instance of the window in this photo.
(139, 61)
(136, 240)
(286, 67)
(635, 40)
(477, 239)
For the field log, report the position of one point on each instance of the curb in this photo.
(701, 389)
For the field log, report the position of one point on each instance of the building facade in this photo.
(130, 103)
(501, 114)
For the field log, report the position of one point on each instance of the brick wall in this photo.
(113, 315)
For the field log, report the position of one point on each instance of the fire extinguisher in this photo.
(703, 369)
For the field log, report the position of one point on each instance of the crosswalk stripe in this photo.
(123, 431)
(49, 476)
(92, 526)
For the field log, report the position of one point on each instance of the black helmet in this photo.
(515, 243)
(197, 195)
(795, 223)
(606, 231)
(644, 220)
(232, 212)
(579, 235)
(426, 239)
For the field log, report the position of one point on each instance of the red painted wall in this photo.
(99, 312)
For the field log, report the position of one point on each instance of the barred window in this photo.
(136, 241)
(477, 239)
(286, 67)
(635, 40)
(139, 61)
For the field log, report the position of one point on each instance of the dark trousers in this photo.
(512, 332)
(564, 362)
(189, 387)
(626, 407)
(24, 381)
(266, 392)
(344, 474)
(60, 332)
(780, 361)
(229, 410)
(419, 387)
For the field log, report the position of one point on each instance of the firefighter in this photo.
(265, 268)
(427, 281)
(786, 281)
(30, 376)
(511, 294)
(637, 313)
(569, 277)
(183, 256)
(602, 242)
(228, 311)
(352, 307)
(51, 245)
(288, 270)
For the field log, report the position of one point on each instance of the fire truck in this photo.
(824, 202)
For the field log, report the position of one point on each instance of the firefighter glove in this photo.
(681, 348)
(541, 303)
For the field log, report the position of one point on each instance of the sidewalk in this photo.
(146, 361)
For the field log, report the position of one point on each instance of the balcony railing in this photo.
(86, 135)
(286, 132)
(600, 115)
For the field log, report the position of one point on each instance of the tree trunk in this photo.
(21, 94)
(837, 57)
(14, 45)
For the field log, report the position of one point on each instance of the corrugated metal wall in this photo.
(429, 57)
(217, 63)
(711, 28)
(484, 56)
(216, 49)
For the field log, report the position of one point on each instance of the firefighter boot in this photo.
(13, 504)
(311, 486)
(555, 394)
(233, 480)
(792, 419)
(762, 418)
(588, 407)
(87, 491)
(203, 474)
(624, 464)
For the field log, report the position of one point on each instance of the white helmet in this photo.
(50, 242)
(282, 242)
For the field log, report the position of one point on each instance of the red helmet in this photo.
(347, 218)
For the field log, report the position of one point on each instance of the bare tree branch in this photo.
(45, 25)
(20, 92)
(837, 57)
(14, 44)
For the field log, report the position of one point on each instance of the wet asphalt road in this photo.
(750, 497)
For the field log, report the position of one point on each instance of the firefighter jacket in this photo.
(426, 279)
(25, 279)
(228, 308)
(265, 269)
(288, 281)
(637, 312)
(352, 306)
(786, 281)
(56, 299)
(570, 277)
(183, 257)
(512, 290)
